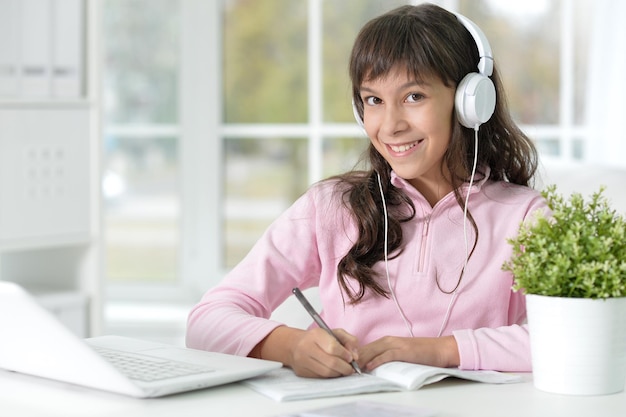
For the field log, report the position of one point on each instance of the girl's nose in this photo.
(395, 121)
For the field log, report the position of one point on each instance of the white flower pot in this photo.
(578, 346)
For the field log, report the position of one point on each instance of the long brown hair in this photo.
(428, 41)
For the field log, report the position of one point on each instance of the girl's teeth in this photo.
(402, 148)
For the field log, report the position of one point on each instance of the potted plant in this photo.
(571, 264)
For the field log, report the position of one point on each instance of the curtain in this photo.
(606, 87)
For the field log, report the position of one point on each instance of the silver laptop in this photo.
(33, 342)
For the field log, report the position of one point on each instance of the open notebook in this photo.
(33, 342)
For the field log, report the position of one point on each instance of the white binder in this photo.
(8, 48)
(35, 50)
(67, 48)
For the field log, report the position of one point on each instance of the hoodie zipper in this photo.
(422, 255)
(426, 229)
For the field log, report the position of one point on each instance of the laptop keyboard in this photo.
(148, 368)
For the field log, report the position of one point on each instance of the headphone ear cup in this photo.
(475, 100)
(357, 117)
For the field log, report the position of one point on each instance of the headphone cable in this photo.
(469, 189)
(386, 254)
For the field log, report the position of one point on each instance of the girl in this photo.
(407, 255)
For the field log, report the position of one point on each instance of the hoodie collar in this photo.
(403, 184)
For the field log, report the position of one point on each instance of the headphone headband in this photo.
(485, 65)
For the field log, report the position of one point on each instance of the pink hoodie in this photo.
(302, 249)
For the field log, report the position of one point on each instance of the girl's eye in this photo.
(371, 100)
(414, 97)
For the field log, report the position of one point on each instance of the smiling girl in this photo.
(407, 255)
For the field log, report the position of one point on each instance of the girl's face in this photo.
(410, 124)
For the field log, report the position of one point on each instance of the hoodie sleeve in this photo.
(234, 316)
(504, 348)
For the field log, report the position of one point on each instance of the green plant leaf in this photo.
(578, 249)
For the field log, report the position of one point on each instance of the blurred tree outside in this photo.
(140, 91)
(525, 47)
(265, 61)
(141, 61)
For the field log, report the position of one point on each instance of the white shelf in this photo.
(42, 242)
(83, 103)
(52, 298)
(49, 156)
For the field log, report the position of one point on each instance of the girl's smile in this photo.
(400, 149)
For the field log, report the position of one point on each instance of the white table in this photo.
(24, 396)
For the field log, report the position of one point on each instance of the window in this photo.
(220, 114)
(141, 141)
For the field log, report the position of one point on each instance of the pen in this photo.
(309, 308)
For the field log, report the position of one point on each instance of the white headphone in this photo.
(475, 97)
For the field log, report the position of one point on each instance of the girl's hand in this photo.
(312, 353)
(317, 354)
(434, 351)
